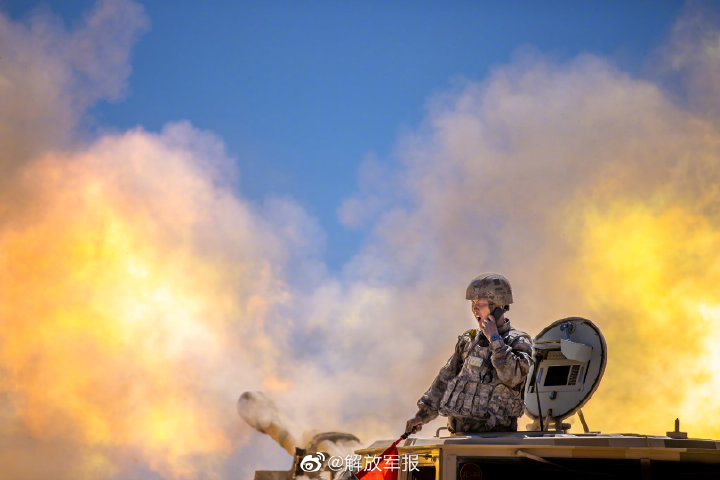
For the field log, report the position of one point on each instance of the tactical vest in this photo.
(476, 391)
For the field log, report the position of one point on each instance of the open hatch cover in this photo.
(570, 358)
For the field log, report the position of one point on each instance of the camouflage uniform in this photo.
(481, 387)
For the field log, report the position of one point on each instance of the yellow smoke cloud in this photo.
(107, 323)
(134, 291)
(651, 273)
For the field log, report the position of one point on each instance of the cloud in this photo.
(691, 58)
(376, 184)
(49, 76)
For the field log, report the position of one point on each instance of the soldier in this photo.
(480, 389)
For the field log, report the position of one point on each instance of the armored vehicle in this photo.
(570, 358)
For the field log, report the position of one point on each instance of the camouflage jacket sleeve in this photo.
(512, 360)
(429, 403)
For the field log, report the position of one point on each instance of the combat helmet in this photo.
(492, 286)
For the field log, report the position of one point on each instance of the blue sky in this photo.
(302, 92)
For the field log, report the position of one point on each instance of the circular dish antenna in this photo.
(570, 357)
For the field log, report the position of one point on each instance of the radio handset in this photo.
(497, 313)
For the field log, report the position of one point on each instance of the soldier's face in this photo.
(480, 308)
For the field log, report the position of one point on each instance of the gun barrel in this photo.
(261, 413)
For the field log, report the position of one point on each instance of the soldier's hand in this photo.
(488, 326)
(413, 425)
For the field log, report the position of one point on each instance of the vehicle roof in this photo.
(537, 439)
